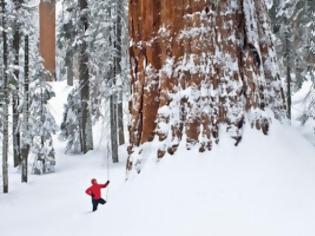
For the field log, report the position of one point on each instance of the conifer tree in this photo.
(70, 126)
(42, 123)
(16, 82)
(86, 136)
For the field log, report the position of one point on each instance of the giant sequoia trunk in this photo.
(197, 66)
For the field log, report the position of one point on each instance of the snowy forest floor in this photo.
(265, 187)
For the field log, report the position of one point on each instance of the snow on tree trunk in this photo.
(25, 141)
(86, 136)
(197, 66)
(5, 111)
(118, 59)
(15, 94)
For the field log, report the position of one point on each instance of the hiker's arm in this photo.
(105, 185)
(88, 191)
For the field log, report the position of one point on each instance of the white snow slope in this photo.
(264, 187)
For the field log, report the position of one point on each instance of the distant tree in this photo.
(42, 122)
(118, 68)
(86, 136)
(107, 70)
(66, 39)
(292, 24)
(16, 83)
(70, 126)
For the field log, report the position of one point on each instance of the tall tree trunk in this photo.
(196, 66)
(289, 99)
(113, 99)
(25, 141)
(86, 120)
(5, 116)
(120, 121)
(15, 95)
(118, 59)
(113, 125)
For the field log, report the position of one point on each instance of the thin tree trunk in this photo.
(288, 71)
(120, 115)
(25, 144)
(289, 99)
(113, 125)
(118, 60)
(15, 95)
(5, 117)
(86, 120)
(113, 100)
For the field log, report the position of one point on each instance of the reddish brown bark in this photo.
(196, 65)
(47, 22)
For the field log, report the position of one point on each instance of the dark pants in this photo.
(95, 203)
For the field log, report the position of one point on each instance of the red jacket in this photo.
(95, 189)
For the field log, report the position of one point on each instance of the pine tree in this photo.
(86, 136)
(42, 123)
(16, 82)
(67, 34)
(108, 83)
(70, 127)
(293, 22)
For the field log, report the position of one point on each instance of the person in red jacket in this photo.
(95, 192)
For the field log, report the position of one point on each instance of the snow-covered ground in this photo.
(265, 187)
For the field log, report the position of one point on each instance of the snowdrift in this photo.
(266, 186)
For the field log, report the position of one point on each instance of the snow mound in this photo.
(266, 186)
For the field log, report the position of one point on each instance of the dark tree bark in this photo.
(5, 116)
(15, 95)
(113, 125)
(118, 60)
(86, 136)
(25, 145)
(113, 101)
(289, 99)
(288, 73)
